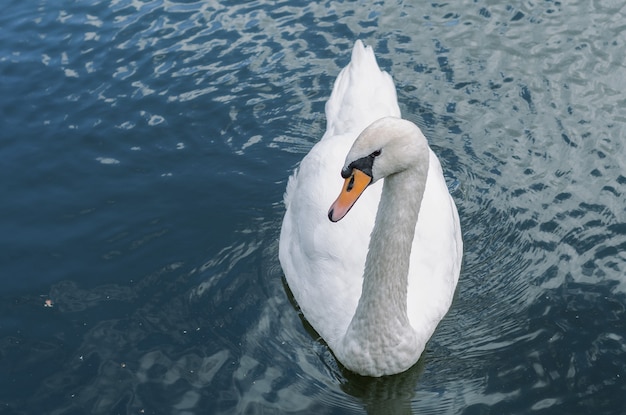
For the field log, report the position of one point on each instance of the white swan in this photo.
(376, 284)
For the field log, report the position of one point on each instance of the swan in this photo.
(375, 269)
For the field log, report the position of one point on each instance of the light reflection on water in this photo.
(159, 136)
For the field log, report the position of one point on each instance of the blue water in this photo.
(145, 148)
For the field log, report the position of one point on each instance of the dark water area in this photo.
(146, 146)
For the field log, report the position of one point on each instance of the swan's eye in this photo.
(350, 184)
(375, 153)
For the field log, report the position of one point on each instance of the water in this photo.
(145, 149)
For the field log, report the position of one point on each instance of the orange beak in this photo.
(353, 187)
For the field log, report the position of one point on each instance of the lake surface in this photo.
(145, 149)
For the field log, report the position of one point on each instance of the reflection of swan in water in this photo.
(378, 395)
(375, 301)
(385, 395)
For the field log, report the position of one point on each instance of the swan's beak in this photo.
(353, 187)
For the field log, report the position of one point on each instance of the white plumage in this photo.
(376, 318)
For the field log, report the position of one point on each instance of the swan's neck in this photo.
(380, 332)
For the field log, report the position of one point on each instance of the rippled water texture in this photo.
(146, 146)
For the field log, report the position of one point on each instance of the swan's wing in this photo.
(323, 261)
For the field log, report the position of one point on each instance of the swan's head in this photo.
(388, 146)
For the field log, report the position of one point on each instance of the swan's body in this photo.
(375, 301)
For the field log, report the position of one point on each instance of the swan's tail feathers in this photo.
(362, 94)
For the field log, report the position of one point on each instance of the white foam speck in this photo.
(253, 140)
(70, 73)
(142, 89)
(91, 36)
(188, 96)
(124, 72)
(127, 125)
(94, 21)
(107, 160)
(63, 16)
(155, 120)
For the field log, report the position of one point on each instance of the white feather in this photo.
(324, 262)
